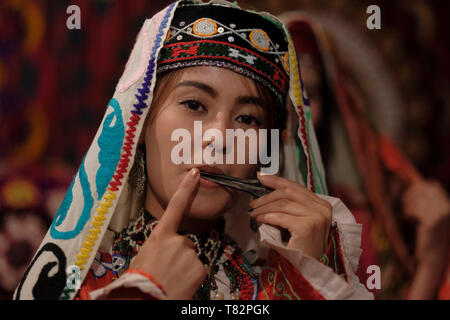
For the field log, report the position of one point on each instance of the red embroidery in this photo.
(125, 157)
(228, 45)
(276, 68)
(179, 50)
(224, 58)
(277, 77)
(280, 280)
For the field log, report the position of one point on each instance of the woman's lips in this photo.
(206, 183)
(210, 169)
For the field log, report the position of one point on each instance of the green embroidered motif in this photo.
(278, 289)
(288, 282)
(324, 259)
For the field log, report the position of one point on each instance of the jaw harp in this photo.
(254, 187)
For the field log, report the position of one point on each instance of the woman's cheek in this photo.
(159, 147)
(167, 124)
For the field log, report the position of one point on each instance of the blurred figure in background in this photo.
(355, 111)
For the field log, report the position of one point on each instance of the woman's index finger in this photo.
(180, 200)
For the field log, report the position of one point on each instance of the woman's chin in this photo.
(209, 207)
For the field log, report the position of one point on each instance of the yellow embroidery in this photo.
(97, 222)
(286, 62)
(295, 76)
(168, 35)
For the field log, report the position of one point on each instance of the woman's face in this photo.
(220, 99)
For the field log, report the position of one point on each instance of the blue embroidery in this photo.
(142, 94)
(65, 206)
(110, 143)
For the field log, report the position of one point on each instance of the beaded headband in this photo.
(242, 41)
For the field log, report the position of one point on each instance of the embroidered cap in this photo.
(222, 36)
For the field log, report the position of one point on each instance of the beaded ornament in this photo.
(215, 249)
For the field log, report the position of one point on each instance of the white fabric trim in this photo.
(329, 284)
(129, 280)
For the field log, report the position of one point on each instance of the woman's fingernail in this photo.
(262, 174)
(194, 172)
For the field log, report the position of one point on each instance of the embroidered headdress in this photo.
(186, 33)
(239, 40)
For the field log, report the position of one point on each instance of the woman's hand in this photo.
(428, 204)
(296, 209)
(168, 257)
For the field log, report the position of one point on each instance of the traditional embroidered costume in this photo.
(100, 226)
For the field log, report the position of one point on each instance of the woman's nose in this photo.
(217, 126)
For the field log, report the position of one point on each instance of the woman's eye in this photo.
(193, 105)
(249, 120)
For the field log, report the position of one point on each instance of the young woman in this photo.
(138, 223)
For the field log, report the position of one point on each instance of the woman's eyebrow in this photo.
(199, 85)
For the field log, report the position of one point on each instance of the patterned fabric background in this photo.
(56, 82)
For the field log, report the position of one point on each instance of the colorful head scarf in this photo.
(185, 33)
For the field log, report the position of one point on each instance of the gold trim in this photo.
(286, 62)
(168, 35)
